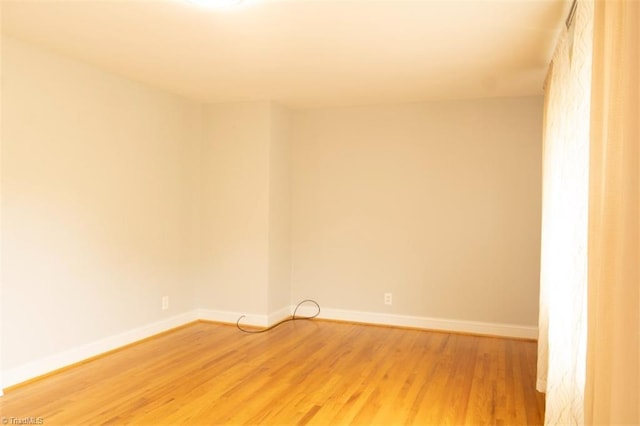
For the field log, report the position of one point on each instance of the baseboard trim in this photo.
(43, 367)
(280, 314)
(255, 320)
(426, 323)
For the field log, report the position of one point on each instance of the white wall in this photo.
(98, 180)
(437, 203)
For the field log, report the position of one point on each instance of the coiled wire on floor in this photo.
(294, 317)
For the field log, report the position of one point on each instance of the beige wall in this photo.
(98, 186)
(279, 211)
(1, 312)
(437, 203)
(235, 199)
(115, 194)
(245, 197)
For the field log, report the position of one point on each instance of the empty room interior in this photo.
(319, 211)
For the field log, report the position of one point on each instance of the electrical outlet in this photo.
(388, 299)
(165, 302)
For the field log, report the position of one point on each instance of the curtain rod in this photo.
(572, 13)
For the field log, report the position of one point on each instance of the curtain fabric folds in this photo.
(613, 354)
(589, 343)
(565, 188)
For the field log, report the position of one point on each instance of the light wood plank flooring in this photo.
(303, 372)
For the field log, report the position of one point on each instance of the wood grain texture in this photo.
(302, 372)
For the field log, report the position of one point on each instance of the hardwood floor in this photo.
(303, 372)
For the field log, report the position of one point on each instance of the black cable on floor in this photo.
(292, 318)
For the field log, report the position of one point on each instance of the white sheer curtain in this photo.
(563, 275)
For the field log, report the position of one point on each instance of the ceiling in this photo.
(306, 53)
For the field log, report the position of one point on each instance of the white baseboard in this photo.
(440, 324)
(280, 314)
(231, 317)
(51, 363)
(256, 320)
(46, 365)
